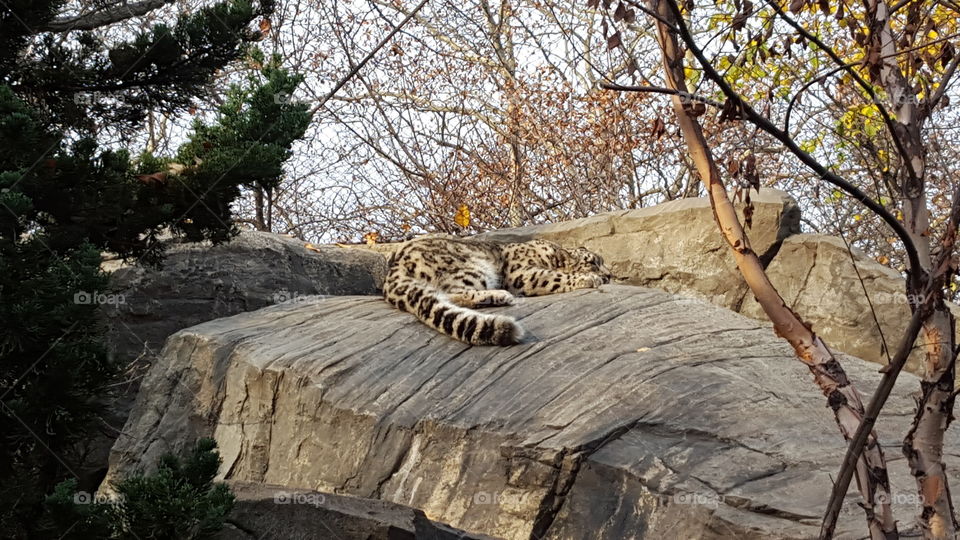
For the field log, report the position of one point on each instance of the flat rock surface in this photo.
(635, 414)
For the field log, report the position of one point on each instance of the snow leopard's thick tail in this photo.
(435, 309)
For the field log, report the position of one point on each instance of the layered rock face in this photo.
(677, 247)
(674, 246)
(199, 282)
(634, 414)
(820, 279)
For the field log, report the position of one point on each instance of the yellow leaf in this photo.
(857, 217)
(311, 247)
(371, 238)
(883, 259)
(462, 218)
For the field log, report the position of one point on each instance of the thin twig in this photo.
(873, 312)
(356, 69)
(796, 96)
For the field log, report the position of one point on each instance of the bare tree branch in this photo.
(373, 52)
(658, 90)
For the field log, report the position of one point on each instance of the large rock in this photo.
(635, 414)
(675, 246)
(199, 282)
(822, 281)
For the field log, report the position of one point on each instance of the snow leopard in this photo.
(442, 280)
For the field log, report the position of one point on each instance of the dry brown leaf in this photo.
(614, 41)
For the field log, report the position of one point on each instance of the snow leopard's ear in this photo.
(587, 256)
(591, 262)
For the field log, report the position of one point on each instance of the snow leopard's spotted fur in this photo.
(443, 280)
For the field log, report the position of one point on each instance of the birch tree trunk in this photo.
(923, 445)
(842, 397)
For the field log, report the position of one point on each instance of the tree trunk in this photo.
(923, 445)
(269, 219)
(842, 397)
(258, 209)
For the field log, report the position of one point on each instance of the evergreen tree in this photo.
(64, 198)
(180, 500)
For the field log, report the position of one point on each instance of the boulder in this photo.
(645, 415)
(200, 282)
(675, 246)
(819, 278)
(266, 512)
